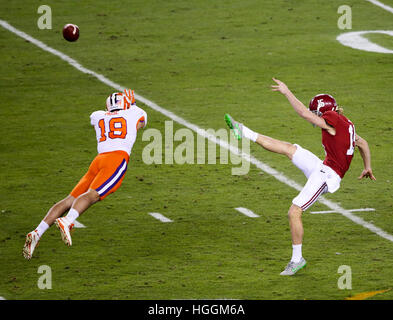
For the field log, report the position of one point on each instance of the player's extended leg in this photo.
(313, 189)
(277, 146)
(33, 237)
(58, 209)
(295, 223)
(268, 143)
(84, 201)
(80, 205)
(108, 170)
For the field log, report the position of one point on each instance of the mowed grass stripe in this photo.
(259, 164)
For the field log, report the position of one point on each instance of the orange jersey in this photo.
(117, 130)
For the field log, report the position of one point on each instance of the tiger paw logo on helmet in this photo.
(120, 100)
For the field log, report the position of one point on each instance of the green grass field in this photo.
(200, 60)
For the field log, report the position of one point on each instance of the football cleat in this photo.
(293, 267)
(322, 103)
(65, 230)
(236, 127)
(32, 240)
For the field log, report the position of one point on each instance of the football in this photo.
(71, 32)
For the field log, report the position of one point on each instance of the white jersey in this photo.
(117, 130)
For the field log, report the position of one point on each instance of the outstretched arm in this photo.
(366, 156)
(300, 108)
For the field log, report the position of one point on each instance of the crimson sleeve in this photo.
(331, 118)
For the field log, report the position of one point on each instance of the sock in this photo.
(296, 252)
(72, 215)
(42, 227)
(249, 134)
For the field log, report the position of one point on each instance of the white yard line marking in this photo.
(356, 40)
(259, 164)
(352, 210)
(381, 5)
(247, 212)
(160, 217)
(2, 298)
(77, 224)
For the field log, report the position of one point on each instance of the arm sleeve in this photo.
(142, 118)
(331, 118)
(92, 119)
(145, 116)
(94, 116)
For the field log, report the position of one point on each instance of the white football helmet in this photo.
(120, 101)
(115, 102)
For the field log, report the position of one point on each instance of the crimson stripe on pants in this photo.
(314, 197)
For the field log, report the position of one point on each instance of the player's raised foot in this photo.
(293, 267)
(236, 127)
(32, 240)
(65, 230)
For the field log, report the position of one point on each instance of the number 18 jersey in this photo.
(117, 130)
(340, 147)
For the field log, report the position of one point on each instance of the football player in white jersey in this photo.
(116, 131)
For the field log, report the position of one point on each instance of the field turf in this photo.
(199, 59)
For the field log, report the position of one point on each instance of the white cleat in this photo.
(32, 240)
(65, 230)
(293, 267)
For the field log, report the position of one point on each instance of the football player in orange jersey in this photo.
(116, 130)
